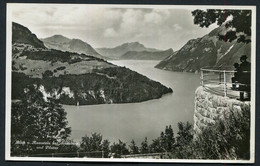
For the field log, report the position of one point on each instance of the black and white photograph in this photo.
(130, 83)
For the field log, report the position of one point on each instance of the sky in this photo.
(110, 26)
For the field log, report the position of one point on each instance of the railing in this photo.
(163, 155)
(92, 154)
(218, 80)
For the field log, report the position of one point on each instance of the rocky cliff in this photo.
(206, 51)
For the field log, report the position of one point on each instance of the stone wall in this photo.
(210, 107)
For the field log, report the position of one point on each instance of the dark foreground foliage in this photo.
(240, 22)
(34, 121)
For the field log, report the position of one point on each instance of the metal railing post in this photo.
(225, 84)
(201, 77)
(220, 78)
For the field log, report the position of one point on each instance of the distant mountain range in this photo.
(134, 51)
(129, 51)
(206, 51)
(63, 43)
(146, 55)
(72, 77)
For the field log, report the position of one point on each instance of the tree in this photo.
(184, 140)
(47, 74)
(163, 141)
(105, 148)
(185, 134)
(94, 146)
(156, 146)
(144, 146)
(119, 149)
(92, 143)
(133, 148)
(169, 138)
(239, 24)
(35, 120)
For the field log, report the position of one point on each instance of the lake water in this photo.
(138, 120)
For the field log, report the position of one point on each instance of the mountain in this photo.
(62, 43)
(56, 39)
(117, 52)
(206, 51)
(146, 55)
(74, 78)
(22, 34)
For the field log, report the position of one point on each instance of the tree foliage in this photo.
(155, 146)
(144, 146)
(47, 73)
(184, 147)
(35, 120)
(106, 148)
(119, 149)
(169, 138)
(133, 148)
(227, 139)
(239, 24)
(92, 143)
(165, 142)
(95, 144)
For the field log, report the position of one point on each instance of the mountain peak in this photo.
(136, 43)
(58, 35)
(77, 40)
(57, 39)
(21, 34)
(60, 42)
(118, 51)
(132, 46)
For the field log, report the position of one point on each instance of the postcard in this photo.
(130, 83)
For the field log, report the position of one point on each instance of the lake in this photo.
(138, 120)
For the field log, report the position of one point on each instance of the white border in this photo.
(9, 81)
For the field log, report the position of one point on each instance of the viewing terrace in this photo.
(224, 81)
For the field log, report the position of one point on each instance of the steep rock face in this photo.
(210, 108)
(205, 51)
(147, 55)
(117, 52)
(76, 78)
(62, 43)
(23, 35)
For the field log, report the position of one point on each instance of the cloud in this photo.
(153, 17)
(177, 27)
(110, 32)
(101, 26)
(131, 20)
